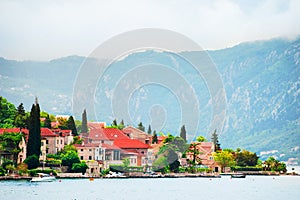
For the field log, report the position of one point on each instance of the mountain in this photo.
(261, 81)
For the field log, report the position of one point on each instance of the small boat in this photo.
(238, 175)
(43, 178)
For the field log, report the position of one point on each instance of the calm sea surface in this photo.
(252, 187)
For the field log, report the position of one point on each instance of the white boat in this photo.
(43, 178)
(238, 175)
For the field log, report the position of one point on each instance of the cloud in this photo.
(42, 30)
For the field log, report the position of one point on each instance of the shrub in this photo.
(7, 163)
(2, 171)
(238, 168)
(79, 167)
(32, 162)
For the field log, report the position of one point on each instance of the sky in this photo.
(45, 30)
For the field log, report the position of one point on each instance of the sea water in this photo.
(251, 187)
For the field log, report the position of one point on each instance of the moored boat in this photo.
(43, 178)
(238, 175)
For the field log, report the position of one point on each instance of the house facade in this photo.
(137, 134)
(206, 150)
(7, 153)
(52, 141)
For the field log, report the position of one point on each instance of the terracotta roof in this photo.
(86, 145)
(106, 134)
(13, 130)
(130, 129)
(107, 146)
(131, 144)
(96, 125)
(46, 132)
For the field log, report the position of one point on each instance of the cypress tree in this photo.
(154, 138)
(149, 129)
(121, 125)
(141, 127)
(47, 122)
(20, 118)
(71, 126)
(215, 140)
(84, 127)
(183, 133)
(114, 123)
(34, 137)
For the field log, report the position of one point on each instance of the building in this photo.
(7, 153)
(206, 150)
(52, 141)
(112, 146)
(135, 133)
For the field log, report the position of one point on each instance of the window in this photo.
(42, 143)
(81, 157)
(116, 155)
(81, 149)
(61, 141)
(57, 142)
(90, 150)
(90, 158)
(47, 142)
(47, 151)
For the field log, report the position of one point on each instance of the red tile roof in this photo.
(130, 144)
(86, 145)
(107, 146)
(96, 125)
(46, 132)
(106, 134)
(13, 130)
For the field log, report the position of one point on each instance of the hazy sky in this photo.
(43, 30)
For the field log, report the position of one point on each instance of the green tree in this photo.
(149, 129)
(114, 123)
(194, 152)
(10, 143)
(246, 158)
(121, 125)
(141, 127)
(63, 123)
(126, 163)
(77, 140)
(20, 118)
(183, 132)
(47, 123)
(69, 156)
(154, 138)
(5, 163)
(84, 127)
(34, 138)
(171, 148)
(7, 113)
(215, 140)
(271, 164)
(160, 164)
(201, 139)
(71, 126)
(32, 161)
(79, 167)
(225, 159)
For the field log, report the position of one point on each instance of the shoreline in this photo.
(76, 176)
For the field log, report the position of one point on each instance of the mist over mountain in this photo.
(261, 81)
